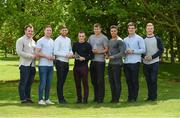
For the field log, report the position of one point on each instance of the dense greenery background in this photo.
(82, 14)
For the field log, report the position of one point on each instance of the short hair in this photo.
(62, 27)
(113, 27)
(29, 25)
(131, 24)
(81, 32)
(47, 26)
(97, 25)
(149, 24)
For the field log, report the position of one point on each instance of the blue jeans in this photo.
(27, 74)
(151, 73)
(46, 75)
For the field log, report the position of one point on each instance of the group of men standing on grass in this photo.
(98, 48)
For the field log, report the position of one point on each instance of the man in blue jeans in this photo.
(154, 49)
(44, 50)
(25, 48)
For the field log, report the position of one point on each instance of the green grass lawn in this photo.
(168, 104)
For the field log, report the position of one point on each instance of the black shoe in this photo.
(85, 102)
(62, 102)
(24, 102)
(111, 101)
(100, 101)
(29, 101)
(131, 100)
(78, 101)
(154, 99)
(114, 101)
(148, 99)
(95, 100)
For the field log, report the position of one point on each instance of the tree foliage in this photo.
(82, 14)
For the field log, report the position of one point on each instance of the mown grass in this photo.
(167, 105)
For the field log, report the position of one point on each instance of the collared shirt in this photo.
(46, 45)
(25, 48)
(135, 43)
(62, 47)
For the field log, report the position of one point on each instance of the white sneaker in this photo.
(49, 102)
(41, 102)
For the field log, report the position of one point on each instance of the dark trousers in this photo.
(81, 75)
(151, 72)
(131, 73)
(62, 71)
(97, 79)
(114, 74)
(27, 74)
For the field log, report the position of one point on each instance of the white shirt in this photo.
(62, 47)
(46, 45)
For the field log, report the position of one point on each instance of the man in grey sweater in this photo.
(115, 53)
(154, 49)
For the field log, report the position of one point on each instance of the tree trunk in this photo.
(5, 52)
(178, 47)
(14, 51)
(171, 46)
(166, 53)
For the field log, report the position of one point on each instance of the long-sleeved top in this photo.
(135, 43)
(98, 43)
(62, 47)
(154, 48)
(84, 50)
(25, 48)
(116, 49)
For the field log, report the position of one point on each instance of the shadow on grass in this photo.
(14, 81)
(15, 58)
(82, 106)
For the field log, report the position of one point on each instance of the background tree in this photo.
(82, 14)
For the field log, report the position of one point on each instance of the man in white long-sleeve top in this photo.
(63, 52)
(25, 48)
